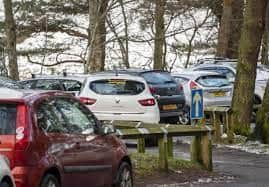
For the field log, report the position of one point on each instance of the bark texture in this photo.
(97, 36)
(10, 29)
(262, 123)
(250, 42)
(230, 28)
(265, 40)
(159, 35)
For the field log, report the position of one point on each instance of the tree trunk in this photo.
(265, 40)
(262, 122)
(97, 36)
(159, 35)
(10, 28)
(249, 48)
(230, 28)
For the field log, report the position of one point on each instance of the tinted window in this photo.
(27, 84)
(181, 80)
(70, 85)
(221, 70)
(158, 77)
(213, 81)
(7, 119)
(78, 119)
(117, 87)
(48, 85)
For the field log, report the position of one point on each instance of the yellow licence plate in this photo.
(219, 94)
(169, 107)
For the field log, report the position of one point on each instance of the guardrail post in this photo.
(163, 153)
(170, 147)
(230, 126)
(141, 145)
(201, 151)
(217, 124)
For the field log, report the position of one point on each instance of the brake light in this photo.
(152, 90)
(181, 89)
(22, 135)
(87, 101)
(147, 102)
(193, 85)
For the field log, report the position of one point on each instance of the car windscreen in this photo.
(156, 77)
(213, 81)
(117, 87)
(7, 119)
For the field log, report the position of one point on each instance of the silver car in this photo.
(217, 90)
(229, 70)
(6, 179)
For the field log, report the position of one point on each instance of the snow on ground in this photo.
(251, 147)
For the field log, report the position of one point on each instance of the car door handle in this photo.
(77, 145)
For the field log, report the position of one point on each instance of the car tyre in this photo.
(50, 181)
(5, 184)
(124, 177)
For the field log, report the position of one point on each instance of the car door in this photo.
(93, 157)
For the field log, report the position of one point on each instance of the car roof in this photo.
(194, 74)
(25, 95)
(112, 75)
(229, 65)
(132, 71)
(56, 77)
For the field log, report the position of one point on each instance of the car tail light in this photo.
(147, 102)
(193, 85)
(181, 89)
(152, 90)
(87, 101)
(22, 135)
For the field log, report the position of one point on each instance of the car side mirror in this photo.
(107, 129)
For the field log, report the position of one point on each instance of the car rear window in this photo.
(158, 77)
(213, 81)
(117, 87)
(7, 119)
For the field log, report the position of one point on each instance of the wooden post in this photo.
(170, 147)
(230, 128)
(201, 151)
(163, 153)
(217, 124)
(206, 152)
(141, 145)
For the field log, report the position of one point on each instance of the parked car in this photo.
(229, 70)
(120, 97)
(71, 84)
(52, 139)
(217, 90)
(6, 178)
(9, 83)
(166, 90)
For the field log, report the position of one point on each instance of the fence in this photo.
(201, 149)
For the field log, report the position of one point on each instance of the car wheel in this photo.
(184, 119)
(50, 181)
(124, 176)
(5, 184)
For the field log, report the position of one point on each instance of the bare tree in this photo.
(250, 42)
(10, 28)
(265, 41)
(159, 34)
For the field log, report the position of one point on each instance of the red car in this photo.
(53, 140)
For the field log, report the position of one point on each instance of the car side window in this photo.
(47, 120)
(78, 119)
(27, 84)
(71, 85)
(48, 85)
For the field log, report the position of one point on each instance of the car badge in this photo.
(117, 100)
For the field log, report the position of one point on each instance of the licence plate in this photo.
(170, 107)
(219, 94)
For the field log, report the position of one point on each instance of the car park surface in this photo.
(120, 97)
(217, 91)
(52, 139)
(6, 178)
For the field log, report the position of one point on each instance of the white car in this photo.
(113, 96)
(217, 90)
(6, 179)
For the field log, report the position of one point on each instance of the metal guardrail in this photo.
(201, 149)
